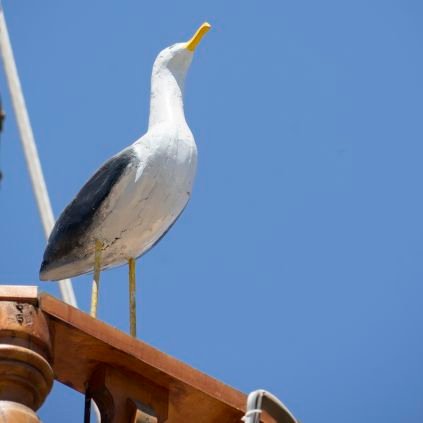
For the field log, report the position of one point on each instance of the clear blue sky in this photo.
(298, 265)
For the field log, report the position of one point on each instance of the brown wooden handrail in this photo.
(130, 380)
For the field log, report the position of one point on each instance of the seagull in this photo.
(135, 197)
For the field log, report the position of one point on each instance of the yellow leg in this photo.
(96, 279)
(132, 305)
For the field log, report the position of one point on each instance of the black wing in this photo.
(74, 222)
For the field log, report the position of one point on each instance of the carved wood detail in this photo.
(26, 376)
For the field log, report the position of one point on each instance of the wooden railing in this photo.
(42, 338)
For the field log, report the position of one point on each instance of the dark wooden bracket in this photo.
(119, 401)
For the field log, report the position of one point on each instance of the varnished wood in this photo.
(26, 376)
(13, 412)
(192, 396)
(120, 394)
(129, 380)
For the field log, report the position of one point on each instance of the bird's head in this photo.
(178, 57)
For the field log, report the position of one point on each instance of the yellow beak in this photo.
(194, 41)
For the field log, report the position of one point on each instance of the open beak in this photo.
(195, 40)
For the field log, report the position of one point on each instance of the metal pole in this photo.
(29, 147)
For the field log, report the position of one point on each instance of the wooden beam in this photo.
(175, 391)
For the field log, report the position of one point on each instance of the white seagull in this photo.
(130, 203)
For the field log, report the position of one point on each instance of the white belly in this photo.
(147, 200)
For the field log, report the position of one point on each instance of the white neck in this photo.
(166, 104)
(167, 86)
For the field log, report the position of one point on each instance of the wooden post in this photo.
(25, 350)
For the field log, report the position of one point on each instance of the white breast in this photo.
(150, 196)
